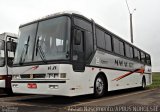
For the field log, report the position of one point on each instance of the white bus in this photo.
(68, 54)
(8, 42)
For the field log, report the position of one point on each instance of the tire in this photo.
(143, 83)
(100, 86)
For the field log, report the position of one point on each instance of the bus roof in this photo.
(53, 15)
(5, 34)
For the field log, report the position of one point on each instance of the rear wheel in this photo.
(143, 83)
(100, 86)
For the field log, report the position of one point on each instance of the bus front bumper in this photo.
(56, 87)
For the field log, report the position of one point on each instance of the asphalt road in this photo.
(120, 101)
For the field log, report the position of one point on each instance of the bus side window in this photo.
(148, 59)
(121, 48)
(136, 54)
(100, 38)
(87, 34)
(78, 40)
(108, 42)
(2, 53)
(11, 48)
(116, 45)
(139, 57)
(127, 50)
(131, 51)
(143, 57)
(88, 45)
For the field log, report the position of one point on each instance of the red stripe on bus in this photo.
(127, 74)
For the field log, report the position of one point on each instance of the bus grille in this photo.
(25, 76)
(32, 76)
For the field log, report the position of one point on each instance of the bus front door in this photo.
(78, 56)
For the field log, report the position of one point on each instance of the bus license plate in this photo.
(32, 85)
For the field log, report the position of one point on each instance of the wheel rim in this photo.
(99, 85)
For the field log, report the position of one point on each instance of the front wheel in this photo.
(100, 86)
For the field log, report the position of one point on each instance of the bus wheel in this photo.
(99, 86)
(143, 83)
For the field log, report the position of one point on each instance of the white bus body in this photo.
(7, 51)
(73, 63)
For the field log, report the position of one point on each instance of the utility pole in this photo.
(131, 28)
(131, 25)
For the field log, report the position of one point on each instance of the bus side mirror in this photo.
(78, 37)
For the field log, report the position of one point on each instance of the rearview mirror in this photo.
(78, 37)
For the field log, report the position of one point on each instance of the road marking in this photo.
(110, 98)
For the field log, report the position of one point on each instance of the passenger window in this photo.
(139, 57)
(148, 59)
(116, 45)
(89, 45)
(100, 38)
(108, 42)
(79, 34)
(136, 54)
(127, 50)
(143, 58)
(2, 53)
(131, 52)
(11, 48)
(121, 48)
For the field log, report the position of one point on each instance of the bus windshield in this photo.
(1, 53)
(46, 40)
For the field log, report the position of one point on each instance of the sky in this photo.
(111, 14)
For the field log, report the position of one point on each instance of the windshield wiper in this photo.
(25, 50)
(40, 51)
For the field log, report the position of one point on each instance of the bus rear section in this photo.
(8, 42)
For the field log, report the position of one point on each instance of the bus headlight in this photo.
(56, 75)
(53, 75)
(16, 76)
(62, 75)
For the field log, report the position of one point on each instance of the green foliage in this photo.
(155, 80)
